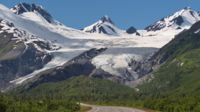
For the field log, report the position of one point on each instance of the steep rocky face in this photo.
(26, 63)
(25, 7)
(182, 19)
(20, 53)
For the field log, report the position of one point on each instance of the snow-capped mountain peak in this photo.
(22, 8)
(103, 26)
(182, 19)
(106, 19)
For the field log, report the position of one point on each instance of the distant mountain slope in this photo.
(180, 20)
(22, 8)
(20, 53)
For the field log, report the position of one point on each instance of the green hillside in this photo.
(84, 89)
(176, 85)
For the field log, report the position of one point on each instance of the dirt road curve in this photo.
(111, 109)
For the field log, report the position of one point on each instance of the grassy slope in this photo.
(85, 89)
(11, 104)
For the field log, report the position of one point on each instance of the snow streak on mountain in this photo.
(179, 20)
(104, 26)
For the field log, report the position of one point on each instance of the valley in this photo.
(46, 66)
